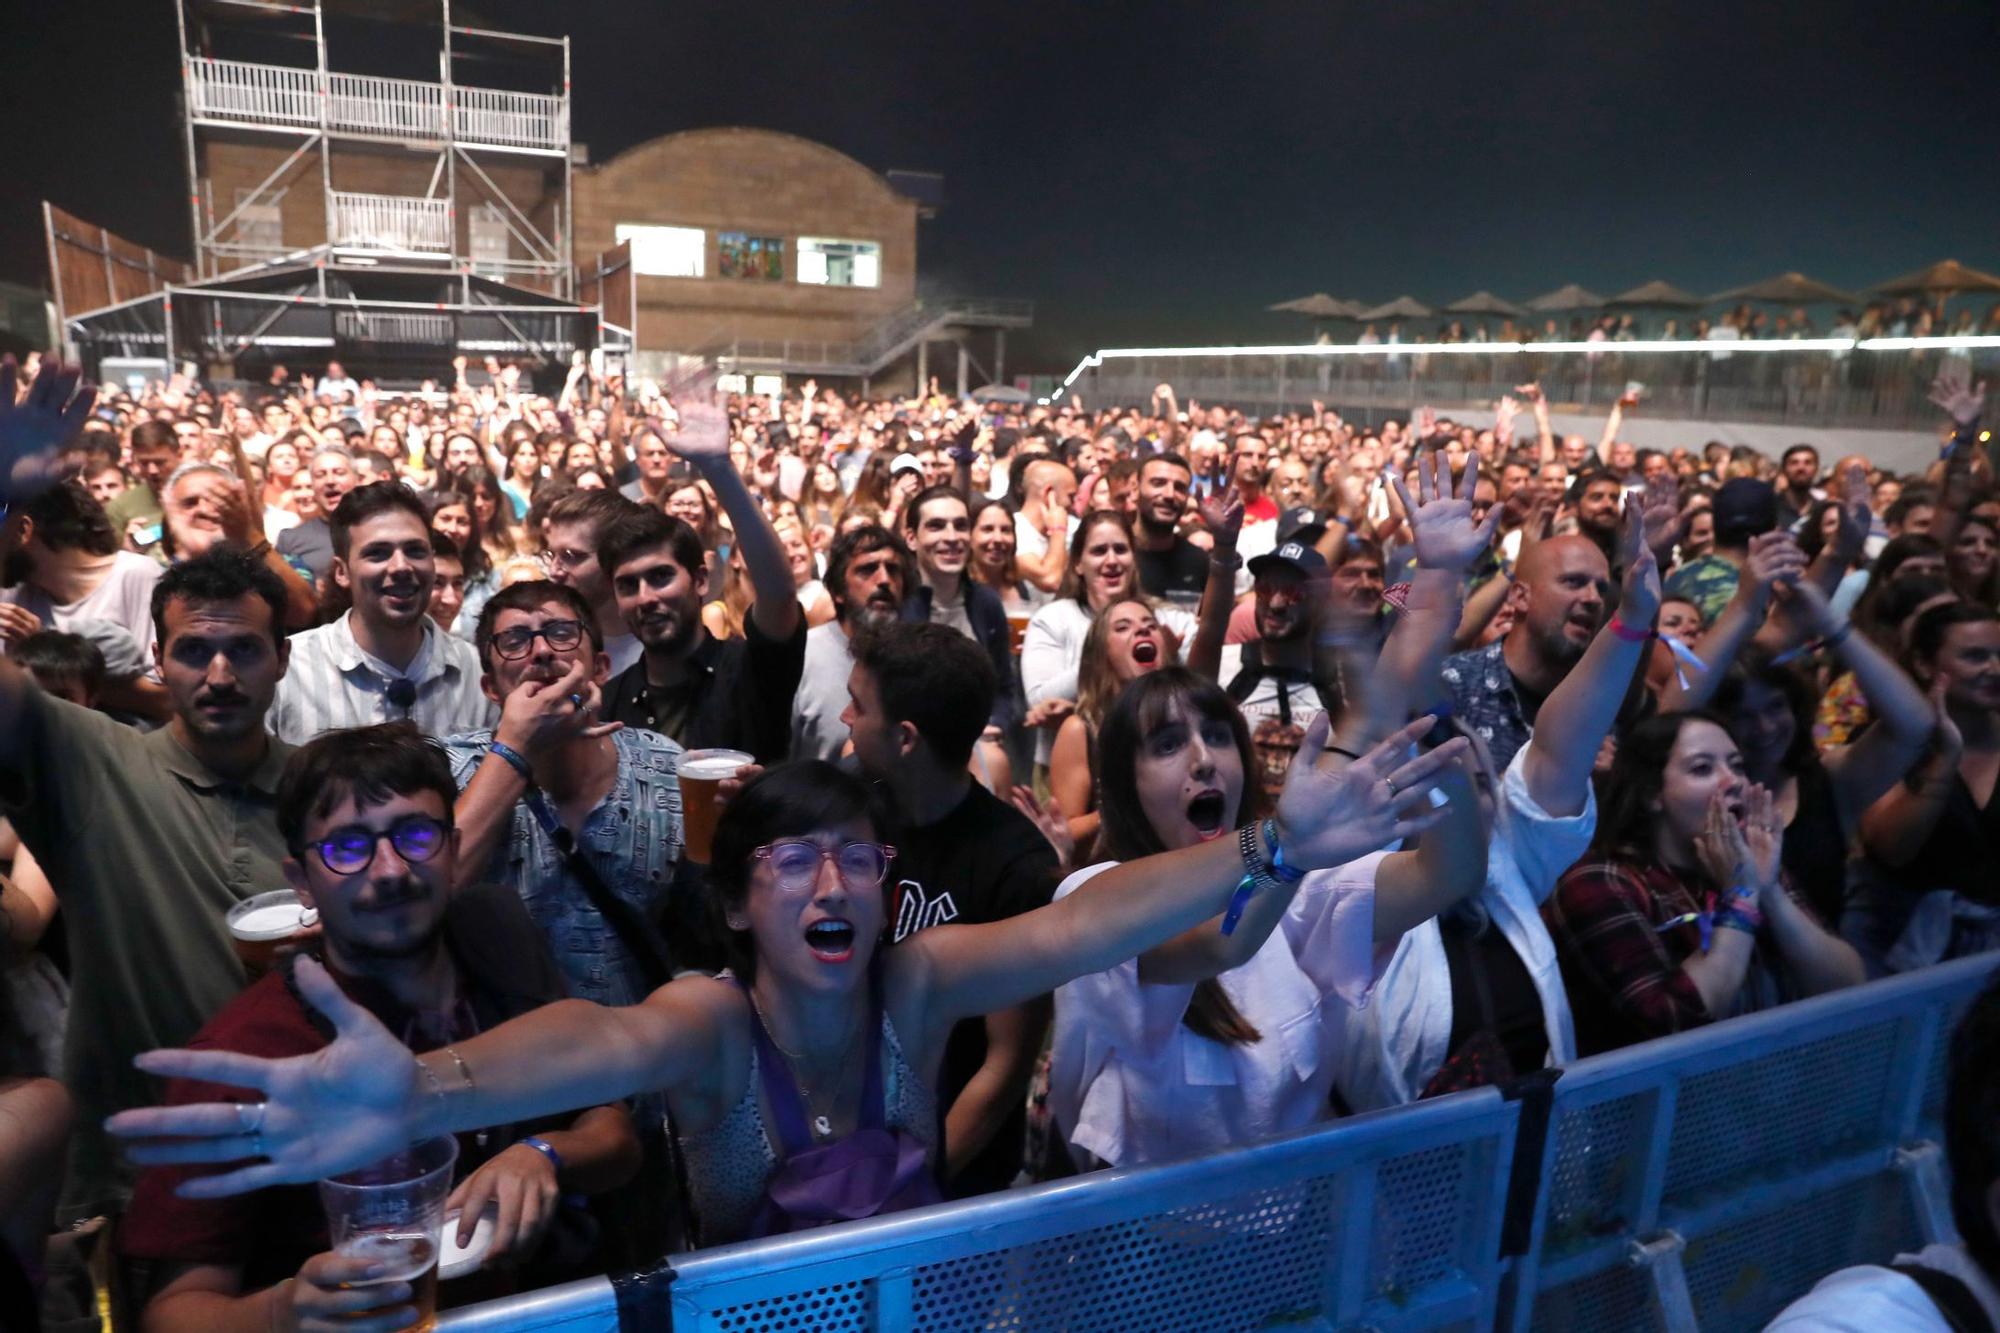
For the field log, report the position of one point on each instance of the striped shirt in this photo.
(331, 682)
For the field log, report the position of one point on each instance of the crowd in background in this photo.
(1103, 783)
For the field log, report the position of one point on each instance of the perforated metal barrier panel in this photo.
(1703, 1181)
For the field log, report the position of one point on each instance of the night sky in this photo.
(1160, 173)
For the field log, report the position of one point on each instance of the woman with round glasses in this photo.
(811, 1002)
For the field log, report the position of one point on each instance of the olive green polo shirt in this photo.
(147, 849)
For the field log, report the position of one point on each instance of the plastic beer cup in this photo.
(701, 775)
(392, 1213)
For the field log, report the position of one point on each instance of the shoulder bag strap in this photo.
(1953, 1299)
(631, 926)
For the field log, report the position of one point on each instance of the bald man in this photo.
(1559, 598)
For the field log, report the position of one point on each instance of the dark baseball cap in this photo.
(1745, 508)
(1292, 555)
(1302, 524)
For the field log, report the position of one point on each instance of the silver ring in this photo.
(577, 699)
(1390, 783)
(250, 1116)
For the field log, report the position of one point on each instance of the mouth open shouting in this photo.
(831, 940)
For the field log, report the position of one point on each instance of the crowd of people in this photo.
(726, 814)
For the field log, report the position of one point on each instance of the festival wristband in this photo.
(1626, 632)
(1286, 874)
(545, 1148)
(1237, 902)
(515, 759)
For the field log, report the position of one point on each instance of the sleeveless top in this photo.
(728, 1166)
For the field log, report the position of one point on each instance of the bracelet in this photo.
(515, 759)
(1286, 874)
(260, 550)
(1344, 753)
(1231, 562)
(545, 1148)
(1255, 867)
(1839, 636)
(1624, 631)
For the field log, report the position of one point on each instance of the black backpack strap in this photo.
(1953, 1299)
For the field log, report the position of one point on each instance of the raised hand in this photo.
(1962, 403)
(1775, 558)
(703, 433)
(1442, 527)
(1222, 517)
(1327, 816)
(1763, 839)
(1529, 393)
(340, 1108)
(1504, 413)
(1423, 424)
(1048, 817)
(1660, 512)
(34, 429)
(1639, 597)
(1049, 712)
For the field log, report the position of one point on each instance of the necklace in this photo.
(822, 1125)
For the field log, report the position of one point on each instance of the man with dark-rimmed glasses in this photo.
(553, 794)
(366, 817)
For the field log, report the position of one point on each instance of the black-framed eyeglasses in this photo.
(511, 645)
(351, 850)
(795, 863)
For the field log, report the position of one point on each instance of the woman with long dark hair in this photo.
(1933, 839)
(818, 1048)
(1214, 1040)
(1680, 915)
(1125, 642)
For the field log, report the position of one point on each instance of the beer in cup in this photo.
(1017, 630)
(701, 774)
(259, 927)
(392, 1213)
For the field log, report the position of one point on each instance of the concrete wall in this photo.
(761, 183)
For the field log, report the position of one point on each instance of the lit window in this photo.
(665, 252)
(743, 256)
(825, 263)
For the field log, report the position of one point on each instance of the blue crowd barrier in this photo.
(1698, 1182)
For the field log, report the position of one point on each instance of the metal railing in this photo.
(390, 108)
(262, 94)
(367, 104)
(878, 346)
(1877, 383)
(391, 222)
(532, 121)
(1699, 1182)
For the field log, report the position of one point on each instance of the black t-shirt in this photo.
(982, 862)
(1507, 1004)
(737, 694)
(1181, 568)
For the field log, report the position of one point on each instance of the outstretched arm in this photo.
(1774, 558)
(1579, 712)
(1328, 816)
(364, 1096)
(1222, 515)
(703, 439)
(1875, 762)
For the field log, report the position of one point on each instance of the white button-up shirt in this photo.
(1129, 1083)
(1391, 1050)
(331, 682)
